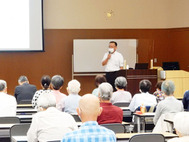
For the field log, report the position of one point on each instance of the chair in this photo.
(116, 127)
(25, 102)
(76, 117)
(122, 104)
(19, 130)
(9, 120)
(147, 138)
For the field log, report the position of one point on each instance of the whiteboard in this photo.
(88, 53)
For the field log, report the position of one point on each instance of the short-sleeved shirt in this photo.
(90, 132)
(121, 96)
(114, 63)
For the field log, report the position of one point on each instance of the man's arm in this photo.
(104, 62)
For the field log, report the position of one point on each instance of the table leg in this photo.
(138, 124)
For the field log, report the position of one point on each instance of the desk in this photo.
(139, 116)
(26, 111)
(19, 138)
(5, 130)
(25, 118)
(125, 108)
(24, 106)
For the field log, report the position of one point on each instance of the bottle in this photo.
(142, 108)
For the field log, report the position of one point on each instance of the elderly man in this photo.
(181, 125)
(49, 124)
(70, 103)
(7, 102)
(89, 109)
(24, 91)
(57, 82)
(110, 113)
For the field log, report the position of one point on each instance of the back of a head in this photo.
(22, 79)
(89, 105)
(158, 85)
(168, 87)
(46, 100)
(121, 82)
(74, 87)
(145, 86)
(181, 123)
(45, 81)
(99, 79)
(57, 82)
(3, 85)
(105, 91)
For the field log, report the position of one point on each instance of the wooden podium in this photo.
(135, 76)
(181, 80)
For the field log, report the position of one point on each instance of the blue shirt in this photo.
(186, 100)
(90, 132)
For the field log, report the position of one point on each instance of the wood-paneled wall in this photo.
(57, 58)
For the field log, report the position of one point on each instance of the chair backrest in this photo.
(148, 108)
(25, 102)
(76, 117)
(116, 127)
(147, 138)
(19, 130)
(9, 120)
(122, 104)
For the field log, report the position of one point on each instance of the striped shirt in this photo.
(90, 132)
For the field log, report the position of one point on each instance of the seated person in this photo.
(45, 84)
(181, 125)
(71, 102)
(121, 95)
(57, 82)
(143, 98)
(98, 80)
(8, 103)
(158, 93)
(49, 124)
(185, 100)
(170, 104)
(110, 113)
(24, 91)
(89, 109)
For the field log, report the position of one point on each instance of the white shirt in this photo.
(181, 139)
(121, 96)
(142, 98)
(8, 105)
(114, 63)
(49, 125)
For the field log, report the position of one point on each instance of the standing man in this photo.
(113, 61)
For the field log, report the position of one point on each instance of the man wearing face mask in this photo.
(113, 61)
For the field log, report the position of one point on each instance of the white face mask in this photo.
(110, 50)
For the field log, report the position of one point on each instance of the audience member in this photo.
(45, 84)
(98, 80)
(57, 82)
(25, 91)
(143, 98)
(181, 125)
(170, 104)
(71, 102)
(185, 100)
(121, 95)
(89, 109)
(49, 124)
(7, 102)
(110, 113)
(158, 93)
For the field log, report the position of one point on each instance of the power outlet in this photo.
(155, 60)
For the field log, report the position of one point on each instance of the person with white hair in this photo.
(121, 96)
(8, 103)
(181, 125)
(170, 104)
(71, 102)
(49, 124)
(89, 109)
(110, 113)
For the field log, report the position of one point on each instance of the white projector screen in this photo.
(21, 26)
(88, 53)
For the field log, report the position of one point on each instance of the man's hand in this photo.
(109, 56)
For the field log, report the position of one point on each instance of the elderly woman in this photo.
(121, 95)
(49, 124)
(45, 84)
(110, 113)
(143, 98)
(71, 102)
(181, 125)
(170, 104)
(98, 80)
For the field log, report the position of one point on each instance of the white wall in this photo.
(128, 14)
